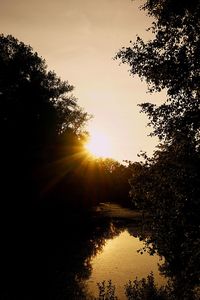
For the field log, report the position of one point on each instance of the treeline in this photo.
(48, 181)
(42, 128)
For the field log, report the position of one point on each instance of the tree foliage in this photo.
(170, 61)
(35, 104)
(41, 123)
(167, 185)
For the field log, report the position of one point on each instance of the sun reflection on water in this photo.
(121, 262)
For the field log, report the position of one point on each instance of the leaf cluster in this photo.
(35, 104)
(170, 62)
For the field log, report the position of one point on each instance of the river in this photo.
(119, 258)
(63, 254)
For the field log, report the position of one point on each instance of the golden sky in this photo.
(78, 39)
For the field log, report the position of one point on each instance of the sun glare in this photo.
(98, 145)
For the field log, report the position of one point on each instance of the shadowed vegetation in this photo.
(166, 186)
(49, 182)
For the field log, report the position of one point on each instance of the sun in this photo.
(98, 145)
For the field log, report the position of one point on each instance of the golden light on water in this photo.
(98, 145)
(120, 261)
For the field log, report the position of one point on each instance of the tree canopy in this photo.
(35, 104)
(42, 131)
(167, 184)
(170, 61)
(41, 125)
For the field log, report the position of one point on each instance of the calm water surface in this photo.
(70, 251)
(119, 259)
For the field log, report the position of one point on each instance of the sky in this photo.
(78, 39)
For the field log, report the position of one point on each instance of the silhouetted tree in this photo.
(37, 109)
(35, 103)
(167, 185)
(170, 61)
(111, 180)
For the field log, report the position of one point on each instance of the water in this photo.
(63, 253)
(66, 253)
(119, 259)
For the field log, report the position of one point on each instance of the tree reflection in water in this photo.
(52, 261)
(181, 258)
